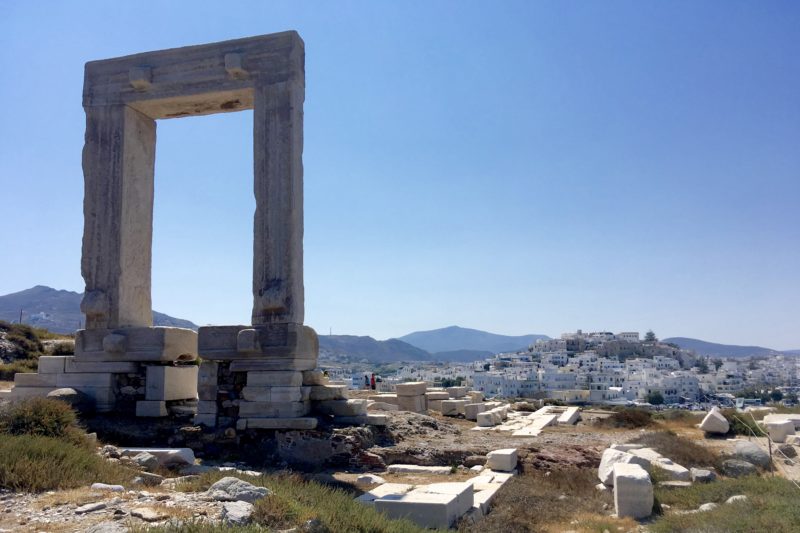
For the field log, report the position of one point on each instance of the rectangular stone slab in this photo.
(195, 80)
(414, 388)
(164, 383)
(269, 341)
(136, 344)
(34, 380)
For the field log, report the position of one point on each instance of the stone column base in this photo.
(139, 344)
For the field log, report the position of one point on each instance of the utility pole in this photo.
(20, 316)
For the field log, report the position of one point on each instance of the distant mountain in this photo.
(712, 349)
(462, 355)
(456, 338)
(372, 350)
(60, 311)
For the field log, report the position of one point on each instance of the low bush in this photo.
(628, 419)
(8, 370)
(33, 463)
(63, 348)
(680, 449)
(771, 505)
(741, 423)
(294, 501)
(37, 416)
(544, 501)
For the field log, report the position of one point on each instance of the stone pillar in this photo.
(118, 167)
(278, 183)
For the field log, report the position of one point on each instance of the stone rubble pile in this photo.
(626, 468)
(441, 505)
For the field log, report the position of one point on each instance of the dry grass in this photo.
(626, 419)
(593, 523)
(680, 449)
(538, 502)
(295, 500)
(771, 506)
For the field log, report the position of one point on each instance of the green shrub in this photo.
(34, 463)
(771, 505)
(7, 371)
(680, 449)
(63, 348)
(37, 416)
(741, 423)
(295, 500)
(627, 418)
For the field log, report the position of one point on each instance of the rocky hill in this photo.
(455, 338)
(713, 349)
(60, 311)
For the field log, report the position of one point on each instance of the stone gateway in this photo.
(120, 350)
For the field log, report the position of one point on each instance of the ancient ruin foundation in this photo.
(259, 375)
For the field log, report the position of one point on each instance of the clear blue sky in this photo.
(518, 167)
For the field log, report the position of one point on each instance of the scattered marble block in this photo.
(342, 407)
(328, 392)
(504, 460)
(437, 395)
(471, 410)
(457, 392)
(570, 416)
(165, 456)
(779, 430)
(384, 490)
(415, 404)
(633, 491)
(382, 406)
(476, 396)
(385, 398)
(429, 507)
(414, 388)
(436, 405)
(611, 457)
(714, 422)
(675, 471)
(450, 407)
(486, 419)
(483, 498)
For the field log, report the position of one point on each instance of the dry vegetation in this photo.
(295, 500)
(550, 501)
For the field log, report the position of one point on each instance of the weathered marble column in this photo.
(118, 166)
(278, 184)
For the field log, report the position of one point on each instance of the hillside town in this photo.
(603, 367)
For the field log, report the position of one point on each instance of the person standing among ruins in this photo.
(372, 382)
